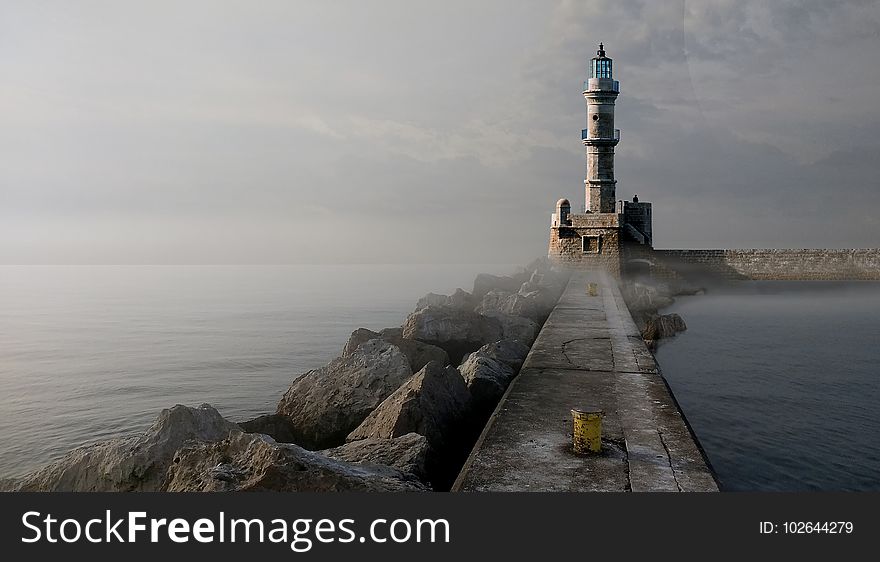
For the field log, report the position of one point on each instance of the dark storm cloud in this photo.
(421, 131)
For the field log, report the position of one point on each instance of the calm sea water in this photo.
(87, 353)
(781, 383)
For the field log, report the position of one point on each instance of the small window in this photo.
(590, 244)
(595, 117)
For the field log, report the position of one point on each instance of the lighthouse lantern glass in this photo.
(600, 68)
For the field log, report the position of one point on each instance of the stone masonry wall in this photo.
(770, 264)
(566, 247)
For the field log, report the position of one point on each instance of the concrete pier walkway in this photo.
(589, 353)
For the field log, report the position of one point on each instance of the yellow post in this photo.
(593, 289)
(587, 430)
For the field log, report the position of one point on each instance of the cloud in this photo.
(417, 132)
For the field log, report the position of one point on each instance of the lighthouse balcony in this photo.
(585, 135)
(601, 85)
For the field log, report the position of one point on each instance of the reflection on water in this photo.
(781, 383)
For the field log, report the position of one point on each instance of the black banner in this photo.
(433, 526)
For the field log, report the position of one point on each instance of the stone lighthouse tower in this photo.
(600, 137)
(609, 232)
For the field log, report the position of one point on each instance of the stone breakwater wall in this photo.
(589, 353)
(775, 264)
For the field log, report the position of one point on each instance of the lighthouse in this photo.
(600, 137)
(609, 232)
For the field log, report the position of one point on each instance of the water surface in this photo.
(89, 352)
(781, 383)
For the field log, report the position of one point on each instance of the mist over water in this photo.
(779, 380)
(781, 383)
(91, 352)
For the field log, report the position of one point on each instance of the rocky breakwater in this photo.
(398, 410)
(645, 298)
(195, 449)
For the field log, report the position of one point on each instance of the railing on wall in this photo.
(585, 135)
(592, 85)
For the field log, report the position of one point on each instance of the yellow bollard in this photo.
(587, 430)
(593, 289)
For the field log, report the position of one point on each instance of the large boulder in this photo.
(388, 333)
(417, 353)
(279, 427)
(406, 453)
(534, 305)
(456, 331)
(486, 379)
(254, 462)
(460, 299)
(327, 403)
(494, 301)
(131, 464)
(433, 403)
(663, 326)
(516, 327)
(511, 353)
(356, 338)
(488, 372)
(543, 297)
(432, 299)
(486, 282)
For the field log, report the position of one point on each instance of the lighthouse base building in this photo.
(615, 241)
(611, 234)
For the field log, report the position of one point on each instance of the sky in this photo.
(214, 131)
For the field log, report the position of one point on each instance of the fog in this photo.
(424, 132)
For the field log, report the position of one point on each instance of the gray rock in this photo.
(516, 327)
(485, 282)
(433, 403)
(456, 331)
(511, 353)
(494, 301)
(530, 305)
(327, 403)
(254, 462)
(278, 427)
(417, 353)
(460, 299)
(131, 464)
(358, 337)
(432, 299)
(486, 379)
(541, 297)
(663, 326)
(406, 453)
(387, 333)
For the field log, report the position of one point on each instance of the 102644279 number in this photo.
(807, 527)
